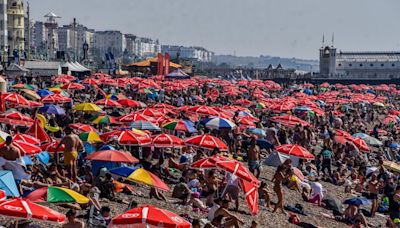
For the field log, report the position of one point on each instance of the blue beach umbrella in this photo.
(44, 92)
(123, 171)
(264, 144)
(357, 201)
(218, 123)
(43, 157)
(107, 147)
(7, 183)
(257, 131)
(26, 160)
(308, 91)
(52, 109)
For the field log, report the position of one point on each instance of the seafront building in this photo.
(199, 54)
(344, 65)
(16, 25)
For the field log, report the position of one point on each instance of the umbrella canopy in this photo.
(44, 92)
(90, 137)
(53, 194)
(7, 183)
(145, 125)
(251, 192)
(180, 125)
(206, 141)
(26, 138)
(123, 171)
(104, 119)
(209, 162)
(237, 168)
(294, 150)
(145, 177)
(276, 159)
(393, 166)
(218, 123)
(264, 144)
(257, 131)
(112, 156)
(130, 138)
(87, 107)
(368, 139)
(25, 209)
(132, 103)
(203, 110)
(357, 201)
(361, 144)
(24, 148)
(55, 98)
(82, 127)
(51, 147)
(108, 103)
(165, 140)
(37, 131)
(16, 118)
(135, 117)
(15, 98)
(73, 86)
(150, 215)
(52, 109)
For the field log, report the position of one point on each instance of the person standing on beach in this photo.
(254, 158)
(72, 144)
(373, 188)
(279, 176)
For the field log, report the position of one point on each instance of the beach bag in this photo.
(384, 205)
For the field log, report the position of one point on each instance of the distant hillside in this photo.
(265, 61)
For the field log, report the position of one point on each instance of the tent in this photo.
(148, 62)
(7, 183)
(275, 159)
(178, 74)
(75, 69)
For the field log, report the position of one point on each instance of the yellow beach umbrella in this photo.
(393, 166)
(90, 137)
(31, 94)
(87, 107)
(3, 136)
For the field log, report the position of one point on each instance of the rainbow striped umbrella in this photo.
(103, 119)
(54, 194)
(180, 125)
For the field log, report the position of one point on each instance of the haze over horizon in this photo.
(285, 28)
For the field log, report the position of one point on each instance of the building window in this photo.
(361, 65)
(350, 65)
(382, 65)
(393, 65)
(339, 64)
(371, 65)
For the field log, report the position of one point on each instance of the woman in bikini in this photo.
(279, 176)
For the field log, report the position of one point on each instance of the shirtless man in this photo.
(73, 144)
(9, 152)
(72, 221)
(230, 219)
(373, 188)
(254, 158)
(277, 180)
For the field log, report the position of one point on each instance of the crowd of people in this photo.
(350, 143)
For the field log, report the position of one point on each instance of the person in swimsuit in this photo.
(72, 144)
(254, 158)
(373, 188)
(279, 176)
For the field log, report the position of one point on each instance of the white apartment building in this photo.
(192, 53)
(142, 47)
(109, 41)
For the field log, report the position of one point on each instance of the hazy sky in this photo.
(289, 28)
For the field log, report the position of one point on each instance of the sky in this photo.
(286, 28)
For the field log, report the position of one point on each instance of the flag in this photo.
(167, 64)
(160, 64)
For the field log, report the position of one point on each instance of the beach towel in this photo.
(298, 209)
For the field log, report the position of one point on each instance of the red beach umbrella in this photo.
(73, 86)
(209, 162)
(206, 141)
(51, 147)
(251, 192)
(130, 138)
(289, 120)
(24, 148)
(150, 215)
(27, 139)
(238, 169)
(361, 144)
(132, 103)
(55, 98)
(82, 127)
(203, 110)
(25, 209)
(135, 117)
(294, 150)
(108, 103)
(90, 81)
(37, 131)
(112, 156)
(15, 98)
(166, 140)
